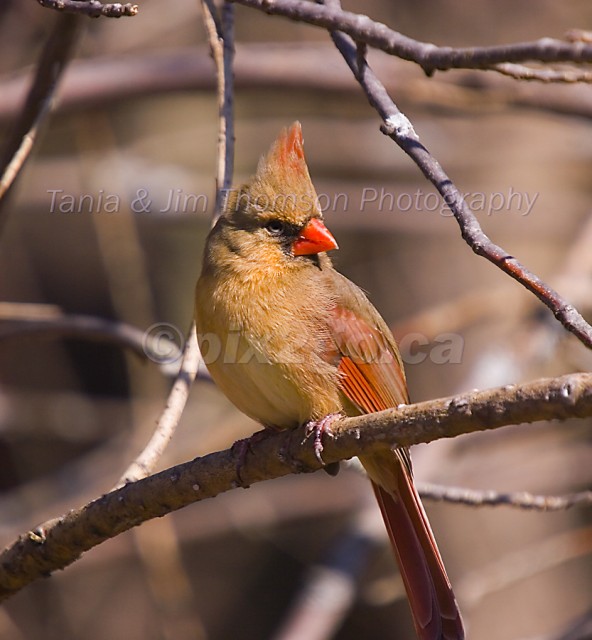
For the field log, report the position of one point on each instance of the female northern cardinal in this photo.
(299, 341)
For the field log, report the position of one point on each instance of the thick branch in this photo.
(429, 56)
(58, 543)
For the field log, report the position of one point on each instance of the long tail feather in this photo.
(435, 612)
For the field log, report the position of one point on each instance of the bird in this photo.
(298, 343)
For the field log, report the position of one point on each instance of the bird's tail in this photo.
(435, 612)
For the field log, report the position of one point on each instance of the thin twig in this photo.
(59, 542)
(429, 56)
(221, 39)
(91, 8)
(397, 126)
(522, 72)
(144, 464)
(490, 498)
(39, 103)
(221, 35)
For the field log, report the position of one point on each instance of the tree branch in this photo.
(39, 103)
(169, 418)
(57, 543)
(489, 498)
(161, 343)
(522, 72)
(91, 8)
(220, 30)
(429, 56)
(399, 128)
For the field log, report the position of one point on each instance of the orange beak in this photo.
(314, 238)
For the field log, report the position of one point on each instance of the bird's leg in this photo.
(317, 428)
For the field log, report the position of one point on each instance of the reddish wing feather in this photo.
(369, 358)
(372, 378)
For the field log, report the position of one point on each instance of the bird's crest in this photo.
(286, 155)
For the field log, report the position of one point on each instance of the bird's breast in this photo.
(266, 345)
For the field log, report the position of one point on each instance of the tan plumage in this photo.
(294, 341)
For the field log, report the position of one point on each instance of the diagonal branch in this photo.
(167, 423)
(399, 128)
(429, 56)
(39, 103)
(57, 543)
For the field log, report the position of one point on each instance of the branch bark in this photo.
(59, 542)
(488, 498)
(429, 56)
(169, 419)
(220, 28)
(92, 8)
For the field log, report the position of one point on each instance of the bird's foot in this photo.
(318, 428)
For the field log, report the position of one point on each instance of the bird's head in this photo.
(276, 217)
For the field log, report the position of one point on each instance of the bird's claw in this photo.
(318, 428)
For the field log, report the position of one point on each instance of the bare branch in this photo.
(19, 320)
(490, 498)
(221, 38)
(39, 103)
(399, 128)
(58, 543)
(22, 319)
(522, 72)
(169, 419)
(429, 56)
(92, 8)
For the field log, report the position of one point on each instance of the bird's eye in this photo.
(275, 227)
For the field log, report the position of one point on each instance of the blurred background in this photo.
(138, 118)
